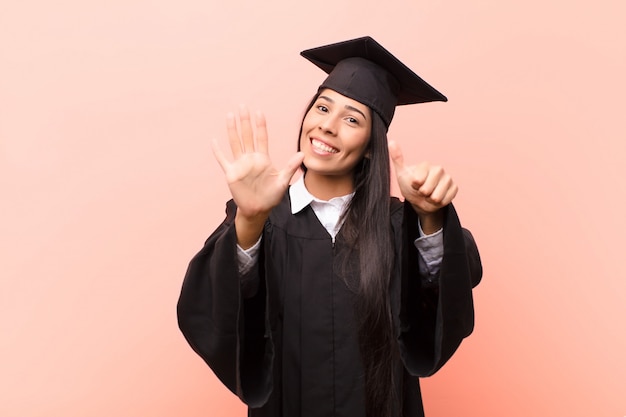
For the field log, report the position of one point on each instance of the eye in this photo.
(352, 120)
(322, 108)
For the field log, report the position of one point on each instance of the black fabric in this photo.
(365, 71)
(291, 349)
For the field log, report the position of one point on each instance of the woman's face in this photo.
(335, 135)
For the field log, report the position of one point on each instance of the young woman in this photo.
(329, 297)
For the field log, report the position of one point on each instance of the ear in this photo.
(368, 151)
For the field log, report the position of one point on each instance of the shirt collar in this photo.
(301, 197)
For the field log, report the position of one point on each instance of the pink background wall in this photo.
(108, 187)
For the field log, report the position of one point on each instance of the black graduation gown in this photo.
(291, 348)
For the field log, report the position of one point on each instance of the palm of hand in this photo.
(256, 186)
(254, 183)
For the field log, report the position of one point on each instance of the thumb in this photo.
(292, 166)
(396, 155)
(219, 155)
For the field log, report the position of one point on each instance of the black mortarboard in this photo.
(366, 72)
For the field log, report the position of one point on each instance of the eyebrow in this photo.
(330, 100)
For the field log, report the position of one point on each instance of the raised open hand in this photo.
(427, 187)
(256, 186)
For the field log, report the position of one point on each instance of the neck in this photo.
(326, 187)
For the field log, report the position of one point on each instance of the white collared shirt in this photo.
(329, 214)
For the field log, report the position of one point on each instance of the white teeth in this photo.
(323, 147)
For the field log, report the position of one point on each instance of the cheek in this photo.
(304, 131)
(360, 144)
(307, 125)
(302, 141)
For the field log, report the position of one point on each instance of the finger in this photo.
(441, 190)
(452, 192)
(233, 136)
(261, 132)
(433, 176)
(395, 152)
(292, 166)
(418, 175)
(219, 155)
(247, 136)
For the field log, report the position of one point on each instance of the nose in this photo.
(328, 125)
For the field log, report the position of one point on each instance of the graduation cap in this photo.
(363, 70)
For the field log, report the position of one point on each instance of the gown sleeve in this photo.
(224, 328)
(433, 320)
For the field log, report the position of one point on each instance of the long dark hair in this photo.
(367, 229)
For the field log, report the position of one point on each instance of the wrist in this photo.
(431, 222)
(249, 228)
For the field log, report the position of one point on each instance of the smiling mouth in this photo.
(321, 146)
